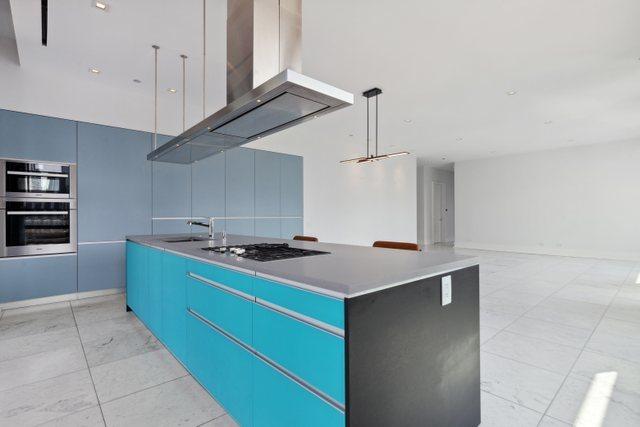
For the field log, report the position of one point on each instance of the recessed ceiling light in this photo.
(408, 121)
(511, 92)
(444, 158)
(137, 81)
(94, 70)
(258, 101)
(171, 90)
(101, 5)
(315, 117)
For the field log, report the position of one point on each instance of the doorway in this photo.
(438, 203)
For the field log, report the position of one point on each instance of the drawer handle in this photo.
(220, 286)
(268, 361)
(325, 327)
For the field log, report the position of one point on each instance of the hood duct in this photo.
(266, 91)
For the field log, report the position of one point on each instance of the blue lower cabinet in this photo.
(37, 277)
(101, 266)
(136, 276)
(174, 305)
(230, 312)
(223, 367)
(312, 354)
(153, 305)
(279, 401)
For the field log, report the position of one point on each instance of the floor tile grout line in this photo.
(143, 389)
(521, 362)
(93, 384)
(581, 352)
(66, 415)
(535, 338)
(213, 419)
(515, 403)
(44, 379)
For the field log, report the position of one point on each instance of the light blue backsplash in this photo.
(119, 192)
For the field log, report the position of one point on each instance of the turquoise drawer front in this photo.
(230, 312)
(223, 367)
(320, 307)
(311, 354)
(238, 281)
(279, 401)
(174, 305)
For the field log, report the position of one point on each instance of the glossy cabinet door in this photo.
(136, 276)
(174, 304)
(280, 401)
(308, 352)
(153, 306)
(223, 367)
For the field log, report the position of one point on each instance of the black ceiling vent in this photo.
(44, 12)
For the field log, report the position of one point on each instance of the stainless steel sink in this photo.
(185, 239)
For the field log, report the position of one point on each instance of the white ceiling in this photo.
(445, 65)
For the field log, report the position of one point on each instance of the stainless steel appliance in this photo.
(38, 208)
(266, 91)
(28, 178)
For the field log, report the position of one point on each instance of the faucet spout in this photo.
(210, 224)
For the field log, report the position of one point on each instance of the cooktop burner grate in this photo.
(264, 252)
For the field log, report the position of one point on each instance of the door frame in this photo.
(443, 202)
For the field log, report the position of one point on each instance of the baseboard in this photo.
(618, 256)
(60, 298)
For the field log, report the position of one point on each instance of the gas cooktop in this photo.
(265, 251)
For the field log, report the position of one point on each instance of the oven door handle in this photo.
(51, 174)
(37, 212)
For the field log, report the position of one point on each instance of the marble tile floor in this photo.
(560, 345)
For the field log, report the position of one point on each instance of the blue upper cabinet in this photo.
(267, 197)
(208, 186)
(114, 183)
(240, 195)
(171, 195)
(291, 182)
(28, 136)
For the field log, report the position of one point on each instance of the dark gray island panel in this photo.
(412, 361)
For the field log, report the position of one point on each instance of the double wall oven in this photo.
(38, 208)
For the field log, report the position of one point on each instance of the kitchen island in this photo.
(353, 336)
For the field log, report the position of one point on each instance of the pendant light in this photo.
(371, 93)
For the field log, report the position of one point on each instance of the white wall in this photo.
(350, 203)
(426, 176)
(581, 201)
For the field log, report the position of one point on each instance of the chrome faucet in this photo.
(210, 225)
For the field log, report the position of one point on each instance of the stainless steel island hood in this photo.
(265, 91)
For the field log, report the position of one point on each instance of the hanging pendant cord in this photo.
(376, 125)
(204, 56)
(367, 127)
(184, 90)
(155, 98)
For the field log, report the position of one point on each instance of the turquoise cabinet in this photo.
(280, 401)
(321, 307)
(153, 306)
(271, 354)
(312, 354)
(174, 305)
(220, 306)
(137, 271)
(223, 367)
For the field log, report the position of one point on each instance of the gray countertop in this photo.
(348, 271)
